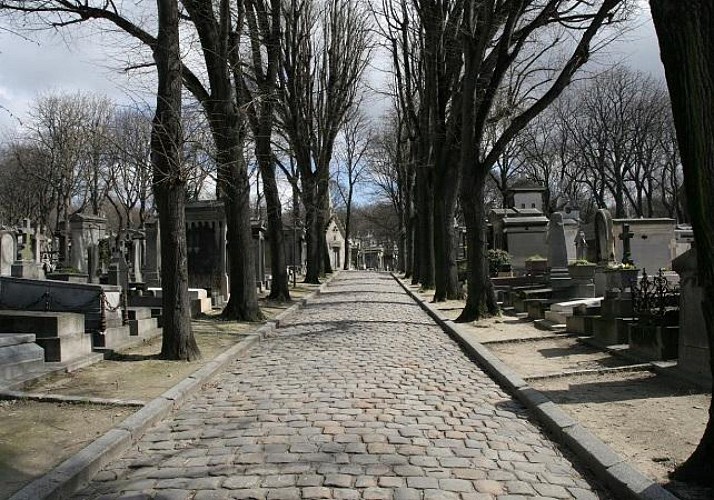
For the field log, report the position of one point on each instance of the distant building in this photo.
(335, 238)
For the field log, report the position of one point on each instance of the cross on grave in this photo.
(626, 236)
(23, 237)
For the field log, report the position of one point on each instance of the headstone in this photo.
(137, 247)
(7, 252)
(683, 239)
(118, 271)
(581, 246)
(152, 263)
(525, 237)
(27, 263)
(557, 251)
(605, 237)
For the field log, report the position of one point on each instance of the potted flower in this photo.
(582, 270)
(536, 264)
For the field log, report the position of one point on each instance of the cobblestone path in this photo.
(359, 395)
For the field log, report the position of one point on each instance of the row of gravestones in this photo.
(81, 253)
(649, 313)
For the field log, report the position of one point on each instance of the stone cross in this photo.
(23, 238)
(626, 236)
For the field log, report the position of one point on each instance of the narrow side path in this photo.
(358, 395)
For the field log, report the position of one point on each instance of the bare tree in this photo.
(392, 178)
(684, 31)
(404, 41)
(615, 129)
(259, 93)
(178, 341)
(220, 45)
(322, 65)
(352, 167)
(23, 192)
(130, 173)
(495, 39)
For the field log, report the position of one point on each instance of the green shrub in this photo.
(497, 260)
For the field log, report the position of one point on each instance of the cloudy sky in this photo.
(30, 67)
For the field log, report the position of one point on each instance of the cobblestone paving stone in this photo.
(358, 396)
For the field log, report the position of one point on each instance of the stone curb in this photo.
(78, 470)
(623, 479)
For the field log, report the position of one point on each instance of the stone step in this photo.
(200, 306)
(141, 327)
(18, 356)
(135, 313)
(109, 352)
(610, 331)
(112, 338)
(545, 324)
(60, 334)
(580, 324)
(11, 339)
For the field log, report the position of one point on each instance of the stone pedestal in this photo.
(85, 232)
(27, 269)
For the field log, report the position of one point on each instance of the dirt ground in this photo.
(653, 421)
(37, 436)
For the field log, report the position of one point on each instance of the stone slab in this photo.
(20, 359)
(8, 339)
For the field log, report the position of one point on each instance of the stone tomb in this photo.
(206, 242)
(693, 344)
(520, 228)
(653, 244)
(70, 315)
(525, 237)
(207, 249)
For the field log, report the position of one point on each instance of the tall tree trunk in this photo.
(446, 271)
(312, 232)
(408, 245)
(480, 296)
(416, 237)
(425, 207)
(278, 267)
(178, 342)
(235, 191)
(323, 217)
(686, 37)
